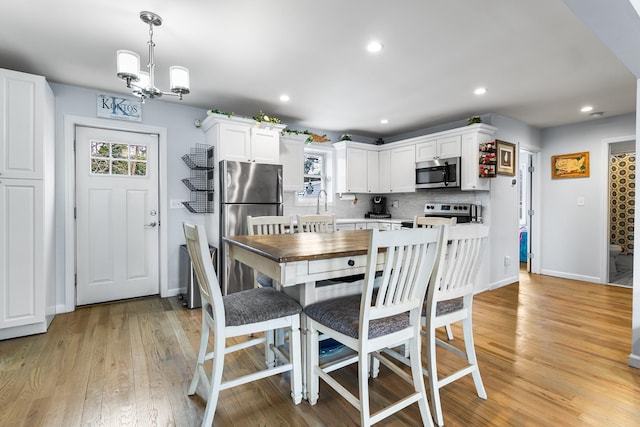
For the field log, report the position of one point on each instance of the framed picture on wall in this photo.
(506, 156)
(574, 165)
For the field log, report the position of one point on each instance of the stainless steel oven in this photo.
(462, 212)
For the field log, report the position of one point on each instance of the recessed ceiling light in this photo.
(597, 114)
(384, 121)
(480, 91)
(284, 98)
(374, 47)
(586, 108)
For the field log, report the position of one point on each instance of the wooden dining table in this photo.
(302, 259)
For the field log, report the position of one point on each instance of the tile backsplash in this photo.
(409, 204)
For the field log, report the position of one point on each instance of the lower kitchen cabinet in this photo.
(27, 282)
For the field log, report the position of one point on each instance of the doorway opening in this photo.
(621, 196)
(526, 168)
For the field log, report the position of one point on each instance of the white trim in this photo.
(70, 123)
(634, 361)
(604, 233)
(580, 277)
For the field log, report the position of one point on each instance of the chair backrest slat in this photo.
(457, 276)
(316, 223)
(432, 221)
(210, 291)
(409, 260)
(269, 224)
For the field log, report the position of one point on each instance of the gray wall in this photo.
(573, 237)
(182, 134)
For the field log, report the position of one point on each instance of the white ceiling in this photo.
(538, 61)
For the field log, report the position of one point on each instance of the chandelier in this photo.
(143, 83)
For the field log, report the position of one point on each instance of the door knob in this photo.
(151, 224)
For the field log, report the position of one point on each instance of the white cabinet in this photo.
(242, 140)
(27, 246)
(356, 167)
(402, 171)
(384, 171)
(438, 148)
(373, 181)
(348, 226)
(475, 135)
(291, 158)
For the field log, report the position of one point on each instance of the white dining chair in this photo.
(386, 315)
(238, 314)
(449, 300)
(316, 223)
(271, 224)
(434, 221)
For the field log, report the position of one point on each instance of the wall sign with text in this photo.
(113, 107)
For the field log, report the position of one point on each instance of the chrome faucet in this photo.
(318, 202)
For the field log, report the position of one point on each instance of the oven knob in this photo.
(455, 208)
(465, 207)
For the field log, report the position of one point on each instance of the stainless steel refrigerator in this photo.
(245, 189)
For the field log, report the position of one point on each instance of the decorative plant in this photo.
(474, 119)
(262, 117)
(216, 111)
(345, 137)
(298, 132)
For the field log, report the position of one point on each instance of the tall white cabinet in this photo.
(27, 246)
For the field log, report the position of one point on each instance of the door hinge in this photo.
(75, 280)
(75, 211)
(530, 212)
(530, 255)
(531, 169)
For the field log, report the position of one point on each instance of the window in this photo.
(316, 170)
(110, 158)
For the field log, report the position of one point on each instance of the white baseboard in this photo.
(634, 360)
(176, 291)
(504, 282)
(571, 276)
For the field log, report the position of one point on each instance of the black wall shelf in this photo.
(200, 160)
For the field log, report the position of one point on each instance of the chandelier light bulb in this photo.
(179, 79)
(128, 64)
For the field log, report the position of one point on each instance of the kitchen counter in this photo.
(343, 224)
(372, 220)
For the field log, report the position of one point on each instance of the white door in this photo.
(117, 216)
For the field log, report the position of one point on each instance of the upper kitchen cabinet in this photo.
(291, 157)
(356, 167)
(472, 137)
(444, 147)
(241, 139)
(22, 125)
(397, 173)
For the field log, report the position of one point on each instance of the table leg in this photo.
(307, 297)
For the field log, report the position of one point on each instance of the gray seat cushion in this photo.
(264, 281)
(343, 315)
(258, 305)
(446, 307)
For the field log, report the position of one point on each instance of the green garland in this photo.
(298, 132)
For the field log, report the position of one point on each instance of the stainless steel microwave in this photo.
(439, 173)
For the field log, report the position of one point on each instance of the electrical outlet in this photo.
(176, 204)
(507, 260)
(395, 204)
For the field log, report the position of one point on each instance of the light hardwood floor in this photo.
(551, 352)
